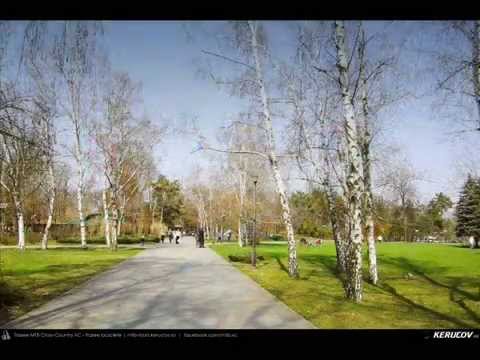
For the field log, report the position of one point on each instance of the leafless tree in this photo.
(125, 142)
(458, 72)
(250, 42)
(77, 63)
(400, 178)
(21, 163)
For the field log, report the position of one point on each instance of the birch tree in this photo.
(40, 69)
(125, 142)
(241, 167)
(365, 142)
(251, 43)
(49, 141)
(315, 130)
(21, 165)
(77, 64)
(353, 283)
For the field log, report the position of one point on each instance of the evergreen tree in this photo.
(468, 210)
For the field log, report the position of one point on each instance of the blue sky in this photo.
(159, 55)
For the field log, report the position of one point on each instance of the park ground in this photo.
(166, 286)
(31, 278)
(421, 285)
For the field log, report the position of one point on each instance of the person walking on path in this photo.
(177, 234)
(200, 238)
(170, 236)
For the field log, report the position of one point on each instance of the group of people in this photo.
(172, 235)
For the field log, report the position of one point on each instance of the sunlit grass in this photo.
(32, 277)
(443, 291)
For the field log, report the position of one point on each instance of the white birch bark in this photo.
(241, 199)
(365, 141)
(114, 242)
(51, 205)
(240, 238)
(20, 221)
(80, 164)
(336, 233)
(121, 213)
(353, 283)
(15, 175)
(106, 217)
(83, 234)
(272, 157)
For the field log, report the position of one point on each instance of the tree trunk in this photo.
(272, 157)
(240, 237)
(83, 235)
(20, 222)
(367, 171)
(51, 207)
(119, 227)
(114, 242)
(372, 251)
(353, 283)
(106, 218)
(122, 214)
(337, 236)
(207, 226)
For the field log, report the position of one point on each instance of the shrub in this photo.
(277, 237)
(124, 239)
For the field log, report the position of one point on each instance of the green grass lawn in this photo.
(32, 277)
(444, 291)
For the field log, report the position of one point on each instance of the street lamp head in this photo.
(255, 179)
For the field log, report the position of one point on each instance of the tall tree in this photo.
(468, 210)
(168, 195)
(251, 43)
(77, 63)
(401, 178)
(365, 143)
(22, 166)
(124, 141)
(40, 69)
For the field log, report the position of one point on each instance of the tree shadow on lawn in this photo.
(326, 261)
(391, 290)
(280, 264)
(330, 263)
(60, 268)
(9, 296)
(456, 295)
(73, 310)
(421, 270)
(460, 302)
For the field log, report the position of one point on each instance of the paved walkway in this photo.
(168, 287)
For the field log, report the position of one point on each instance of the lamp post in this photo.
(254, 244)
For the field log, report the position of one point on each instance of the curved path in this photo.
(167, 287)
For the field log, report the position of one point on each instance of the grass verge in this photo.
(421, 285)
(32, 277)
